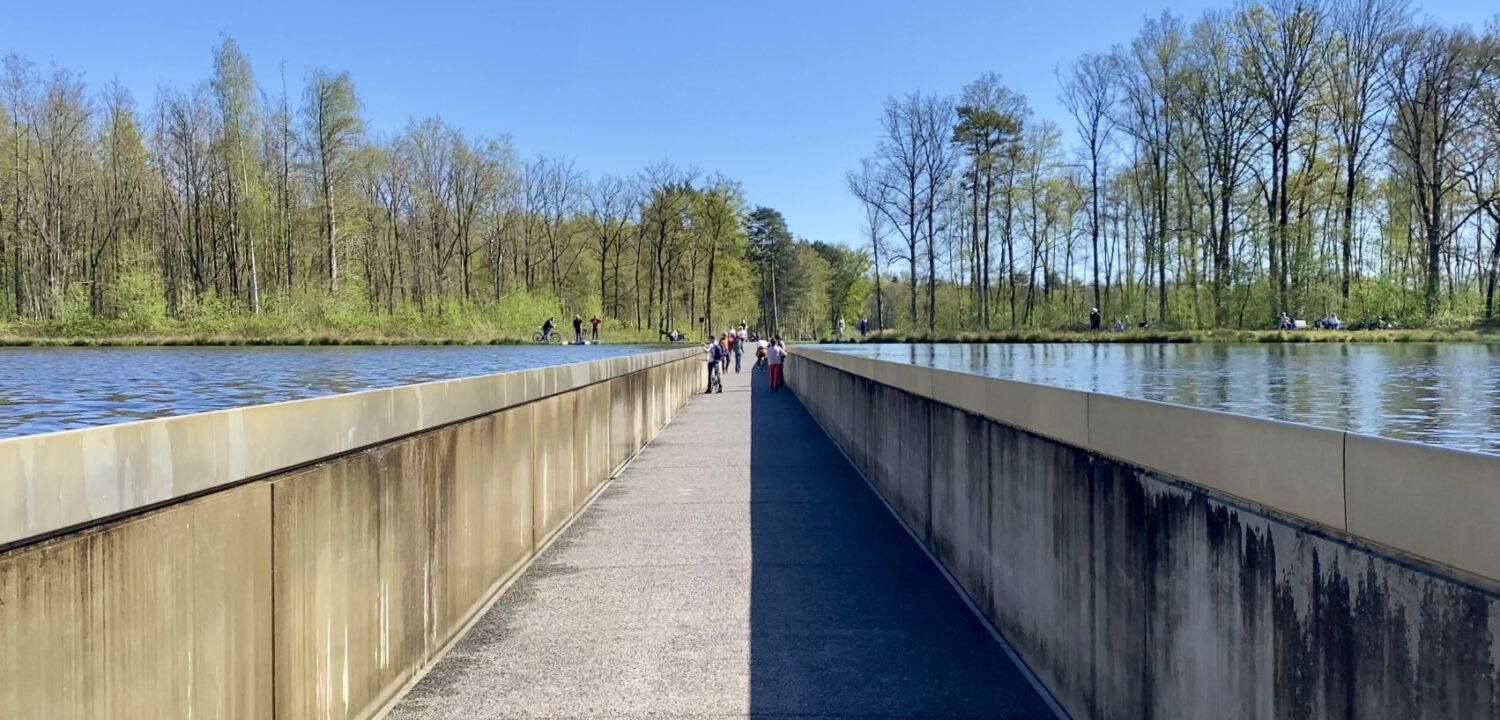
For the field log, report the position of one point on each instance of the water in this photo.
(1443, 394)
(47, 389)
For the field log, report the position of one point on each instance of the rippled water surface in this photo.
(46, 389)
(1444, 394)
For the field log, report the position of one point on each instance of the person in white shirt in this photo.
(775, 355)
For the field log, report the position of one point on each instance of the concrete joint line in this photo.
(1010, 651)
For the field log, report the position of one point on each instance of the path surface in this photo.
(738, 567)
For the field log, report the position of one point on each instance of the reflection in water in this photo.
(1444, 394)
(47, 389)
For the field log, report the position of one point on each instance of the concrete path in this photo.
(739, 567)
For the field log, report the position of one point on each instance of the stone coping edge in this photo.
(62, 481)
(1432, 502)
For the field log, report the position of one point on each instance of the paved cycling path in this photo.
(739, 566)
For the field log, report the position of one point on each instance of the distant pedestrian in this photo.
(1094, 319)
(739, 348)
(577, 329)
(864, 326)
(775, 355)
(596, 321)
(726, 343)
(840, 329)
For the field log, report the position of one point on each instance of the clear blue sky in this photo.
(784, 96)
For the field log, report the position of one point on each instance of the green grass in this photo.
(307, 320)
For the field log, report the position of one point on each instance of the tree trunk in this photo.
(330, 224)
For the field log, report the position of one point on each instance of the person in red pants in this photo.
(775, 355)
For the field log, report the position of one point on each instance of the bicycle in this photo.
(551, 337)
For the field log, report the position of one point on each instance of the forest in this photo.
(226, 209)
(1288, 156)
(1312, 158)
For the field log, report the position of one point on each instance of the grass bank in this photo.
(300, 334)
(310, 319)
(1482, 335)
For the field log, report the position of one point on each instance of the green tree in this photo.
(332, 130)
(771, 253)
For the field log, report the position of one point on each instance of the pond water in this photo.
(47, 389)
(1444, 394)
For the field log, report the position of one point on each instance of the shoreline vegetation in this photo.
(40, 336)
(1481, 334)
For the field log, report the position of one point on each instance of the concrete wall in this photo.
(317, 589)
(1149, 560)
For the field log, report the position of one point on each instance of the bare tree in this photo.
(865, 185)
(899, 188)
(1090, 94)
(610, 201)
(935, 127)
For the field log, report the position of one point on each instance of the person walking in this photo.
(577, 329)
(839, 328)
(864, 326)
(726, 341)
(596, 321)
(775, 354)
(739, 348)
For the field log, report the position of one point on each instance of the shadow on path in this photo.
(848, 616)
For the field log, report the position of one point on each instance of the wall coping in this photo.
(59, 481)
(1428, 501)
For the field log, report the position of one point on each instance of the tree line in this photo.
(1293, 156)
(230, 199)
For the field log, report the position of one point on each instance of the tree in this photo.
(1279, 41)
(770, 251)
(1434, 75)
(899, 189)
(1090, 94)
(233, 88)
(865, 185)
(1220, 111)
(610, 202)
(934, 119)
(990, 119)
(1152, 110)
(1363, 31)
(846, 280)
(718, 219)
(331, 131)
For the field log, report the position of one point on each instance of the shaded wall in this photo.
(1136, 593)
(318, 591)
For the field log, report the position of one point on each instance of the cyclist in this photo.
(547, 330)
(715, 354)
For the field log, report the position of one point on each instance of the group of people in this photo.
(769, 355)
(864, 328)
(594, 323)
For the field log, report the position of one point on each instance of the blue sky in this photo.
(783, 96)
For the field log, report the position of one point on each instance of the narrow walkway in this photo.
(738, 567)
